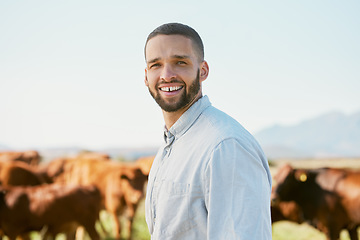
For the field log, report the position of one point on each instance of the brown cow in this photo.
(124, 190)
(54, 170)
(145, 163)
(58, 208)
(121, 185)
(20, 174)
(30, 157)
(329, 198)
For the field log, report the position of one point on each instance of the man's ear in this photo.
(146, 80)
(204, 71)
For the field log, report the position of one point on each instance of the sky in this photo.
(72, 72)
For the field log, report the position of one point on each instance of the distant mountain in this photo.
(131, 153)
(49, 154)
(128, 154)
(330, 135)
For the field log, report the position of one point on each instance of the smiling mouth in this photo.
(171, 89)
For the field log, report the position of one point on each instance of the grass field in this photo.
(292, 231)
(140, 230)
(283, 230)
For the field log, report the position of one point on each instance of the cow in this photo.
(20, 174)
(53, 207)
(30, 157)
(121, 185)
(54, 170)
(145, 163)
(328, 197)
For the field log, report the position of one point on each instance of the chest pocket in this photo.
(172, 208)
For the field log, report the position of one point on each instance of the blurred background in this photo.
(72, 72)
(72, 75)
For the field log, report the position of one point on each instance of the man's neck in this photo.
(170, 118)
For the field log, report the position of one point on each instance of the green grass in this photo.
(291, 231)
(140, 230)
(282, 230)
(285, 230)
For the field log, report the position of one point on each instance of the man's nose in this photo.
(167, 73)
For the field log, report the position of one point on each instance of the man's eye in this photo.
(181, 62)
(155, 65)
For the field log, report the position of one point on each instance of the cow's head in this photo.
(292, 184)
(133, 180)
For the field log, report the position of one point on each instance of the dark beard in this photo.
(185, 98)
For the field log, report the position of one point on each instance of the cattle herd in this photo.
(326, 198)
(61, 195)
(66, 193)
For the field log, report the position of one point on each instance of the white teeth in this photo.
(170, 89)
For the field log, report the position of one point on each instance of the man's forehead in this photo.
(170, 46)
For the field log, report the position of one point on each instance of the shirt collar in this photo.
(186, 120)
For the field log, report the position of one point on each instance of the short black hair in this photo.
(179, 29)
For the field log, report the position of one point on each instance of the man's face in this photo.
(173, 73)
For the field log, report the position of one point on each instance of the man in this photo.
(210, 179)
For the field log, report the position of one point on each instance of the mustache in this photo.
(172, 81)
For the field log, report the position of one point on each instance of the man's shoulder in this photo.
(220, 120)
(220, 126)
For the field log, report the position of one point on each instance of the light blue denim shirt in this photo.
(209, 180)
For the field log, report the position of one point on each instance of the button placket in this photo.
(166, 154)
(169, 139)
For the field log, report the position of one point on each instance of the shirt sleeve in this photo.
(237, 193)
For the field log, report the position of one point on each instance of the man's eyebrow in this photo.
(153, 60)
(181, 56)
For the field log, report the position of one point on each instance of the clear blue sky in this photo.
(72, 72)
